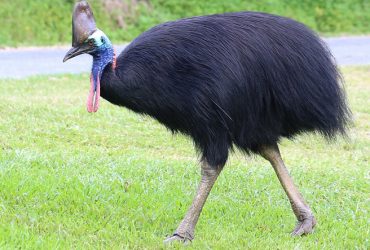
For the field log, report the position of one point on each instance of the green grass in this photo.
(114, 180)
(48, 22)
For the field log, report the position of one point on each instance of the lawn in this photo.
(114, 179)
(48, 22)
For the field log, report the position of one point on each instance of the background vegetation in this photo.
(45, 22)
(117, 180)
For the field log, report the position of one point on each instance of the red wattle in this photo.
(90, 98)
(93, 98)
(97, 95)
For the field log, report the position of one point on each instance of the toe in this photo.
(304, 227)
(176, 238)
(298, 231)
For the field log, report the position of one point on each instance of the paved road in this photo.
(18, 63)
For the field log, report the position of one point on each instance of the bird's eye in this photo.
(91, 43)
(102, 40)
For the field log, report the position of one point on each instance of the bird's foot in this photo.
(304, 226)
(185, 238)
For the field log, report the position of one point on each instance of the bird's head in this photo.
(88, 39)
(95, 44)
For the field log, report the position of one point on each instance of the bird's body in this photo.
(245, 79)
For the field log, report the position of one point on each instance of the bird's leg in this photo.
(185, 231)
(306, 220)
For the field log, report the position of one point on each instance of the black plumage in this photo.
(242, 79)
(245, 79)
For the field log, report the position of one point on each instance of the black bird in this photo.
(244, 79)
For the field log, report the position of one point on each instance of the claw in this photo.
(177, 238)
(304, 227)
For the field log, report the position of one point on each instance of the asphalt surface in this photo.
(19, 63)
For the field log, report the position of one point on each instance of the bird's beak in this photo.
(75, 51)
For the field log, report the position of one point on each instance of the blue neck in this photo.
(101, 58)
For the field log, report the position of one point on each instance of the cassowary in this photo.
(243, 80)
